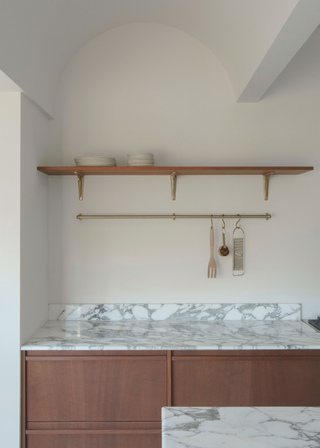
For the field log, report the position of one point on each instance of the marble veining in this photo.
(262, 427)
(176, 312)
(174, 335)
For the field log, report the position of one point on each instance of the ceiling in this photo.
(253, 39)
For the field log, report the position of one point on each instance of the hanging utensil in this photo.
(223, 250)
(238, 251)
(212, 264)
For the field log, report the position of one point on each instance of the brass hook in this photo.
(238, 227)
(223, 223)
(211, 221)
(173, 216)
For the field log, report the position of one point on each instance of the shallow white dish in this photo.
(140, 164)
(98, 159)
(94, 157)
(95, 161)
(95, 164)
(143, 155)
(140, 161)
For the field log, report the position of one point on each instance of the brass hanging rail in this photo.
(173, 216)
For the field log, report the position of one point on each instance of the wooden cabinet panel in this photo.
(96, 389)
(86, 353)
(246, 381)
(118, 426)
(131, 440)
(246, 353)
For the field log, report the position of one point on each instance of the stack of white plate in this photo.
(143, 159)
(95, 161)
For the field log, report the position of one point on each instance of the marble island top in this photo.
(174, 335)
(264, 427)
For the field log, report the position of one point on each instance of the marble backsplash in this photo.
(175, 312)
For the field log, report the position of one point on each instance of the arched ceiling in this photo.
(253, 39)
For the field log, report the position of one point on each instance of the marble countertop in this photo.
(263, 427)
(174, 335)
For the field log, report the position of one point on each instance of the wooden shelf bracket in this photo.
(80, 184)
(173, 181)
(266, 178)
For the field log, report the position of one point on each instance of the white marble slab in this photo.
(170, 335)
(263, 427)
(176, 312)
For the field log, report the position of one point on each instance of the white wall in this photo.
(152, 88)
(10, 269)
(24, 246)
(34, 220)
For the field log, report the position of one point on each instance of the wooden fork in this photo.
(212, 264)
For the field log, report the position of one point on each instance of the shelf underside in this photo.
(179, 170)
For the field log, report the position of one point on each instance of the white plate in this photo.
(140, 160)
(95, 161)
(95, 158)
(141, 155)
(140, 164)
(95, 164)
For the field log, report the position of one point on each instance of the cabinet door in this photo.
(96, 389)
(246, 381)
(130, 440)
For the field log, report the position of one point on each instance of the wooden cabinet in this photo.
(93, 399)
(94, 389)
(246, 378)
(71, 439)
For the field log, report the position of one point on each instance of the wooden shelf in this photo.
(168, 170)
(173, 171)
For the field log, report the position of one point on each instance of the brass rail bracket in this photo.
(266, 178)
(80, 184)
(173, 182)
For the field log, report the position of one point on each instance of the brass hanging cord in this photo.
(173, 216)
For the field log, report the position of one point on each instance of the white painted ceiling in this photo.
(253, 39)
